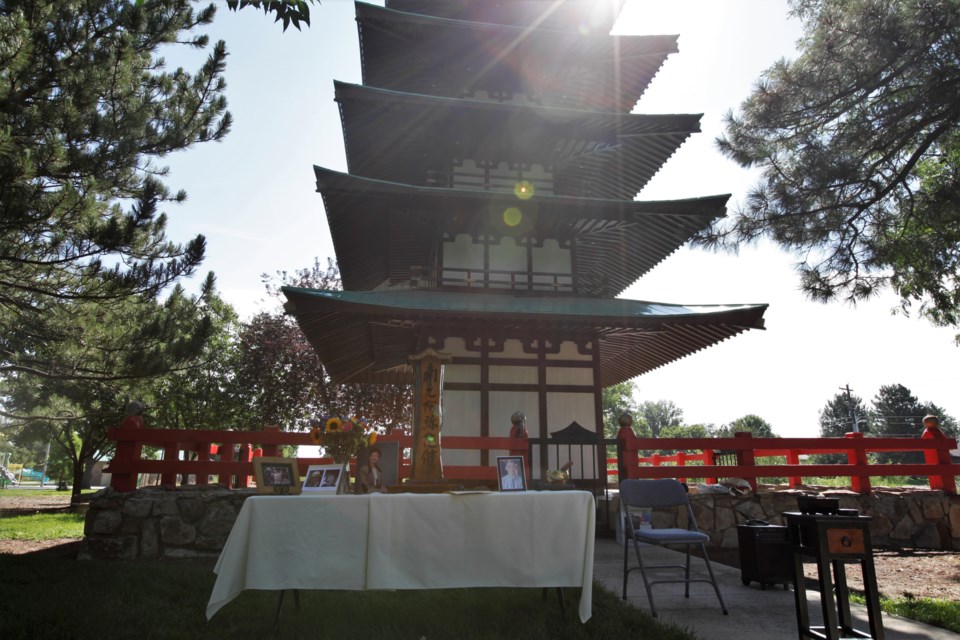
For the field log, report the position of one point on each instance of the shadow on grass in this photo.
(57, 597)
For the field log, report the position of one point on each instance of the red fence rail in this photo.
(229, 454)
(750, 451)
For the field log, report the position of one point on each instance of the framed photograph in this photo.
(511, 474)
(388, 463)
(277, 476)
(323, 478)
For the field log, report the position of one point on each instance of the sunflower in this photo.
(316, 435)
(333, 424)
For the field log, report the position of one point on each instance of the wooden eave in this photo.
(406, 138)
(590, 16)
(453, 58)
(367, 336)
(381, 230)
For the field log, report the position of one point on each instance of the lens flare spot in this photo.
(512, 217)
(523, 190)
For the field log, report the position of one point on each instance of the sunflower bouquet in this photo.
(341, 437)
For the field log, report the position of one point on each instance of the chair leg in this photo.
(643, 572)
(646, 581)
(713, 579)
(626, 548)
(686, 575)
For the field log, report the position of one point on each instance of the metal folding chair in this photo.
(655, 494)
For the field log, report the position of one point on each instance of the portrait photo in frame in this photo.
(277, 476)
(511, 474)
(389, 464)
(323, 478)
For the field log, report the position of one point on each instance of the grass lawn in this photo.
(42, 526)
(56, 597)
(14, 492)
(938, 613)
(62, 598)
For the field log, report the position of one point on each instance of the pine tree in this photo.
(858, 144)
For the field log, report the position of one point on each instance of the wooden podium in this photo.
(831, 540)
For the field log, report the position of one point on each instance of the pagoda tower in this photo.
(488, 215)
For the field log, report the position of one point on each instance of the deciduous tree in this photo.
(837, 418)
(283, 381)
(660, 415)
(756, 425)
(858, 145)
(616, 400)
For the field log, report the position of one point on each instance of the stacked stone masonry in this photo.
(194, 522)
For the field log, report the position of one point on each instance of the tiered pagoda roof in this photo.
(451, 58)
(465, 104)
(383, 230)
(366, 336)
(411, 138)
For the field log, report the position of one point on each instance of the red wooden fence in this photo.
(229, 454)
(749, 451)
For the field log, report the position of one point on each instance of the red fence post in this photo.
(126, 450)
(931, 431)
(203, 455)
(270, 450)
(226, 455)
(520, 446)
(171, 451)
(681, 462)
(709, 459)
(628, 467)
(746, 457)
(793, 458)
(858, 457)
(246, 455)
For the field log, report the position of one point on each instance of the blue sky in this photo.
(254, 198)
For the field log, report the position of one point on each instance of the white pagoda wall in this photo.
(506, 255)
(462, 409)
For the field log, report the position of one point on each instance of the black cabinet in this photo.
(765, 554)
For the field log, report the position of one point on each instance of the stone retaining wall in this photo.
(901, 517)
(192, 522)
(157, 523)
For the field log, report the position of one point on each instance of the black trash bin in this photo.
(765, 554)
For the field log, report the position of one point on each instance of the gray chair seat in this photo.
(655, 494)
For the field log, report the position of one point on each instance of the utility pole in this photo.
(853, 409)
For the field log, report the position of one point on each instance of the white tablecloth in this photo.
(410, 541)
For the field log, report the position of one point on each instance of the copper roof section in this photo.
(413, 139)
(381, 230)
(582, 16)
(452, 58)
(366, 336)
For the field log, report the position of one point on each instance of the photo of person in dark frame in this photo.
(511, 474)
(276, 475)
(370, 476)
(313, 480)
(330, 478)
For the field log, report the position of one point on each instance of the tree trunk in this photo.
(87, 475)
(77, 477)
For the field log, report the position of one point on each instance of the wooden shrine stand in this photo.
(830, 541)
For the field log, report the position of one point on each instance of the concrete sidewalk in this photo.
(769, 614)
